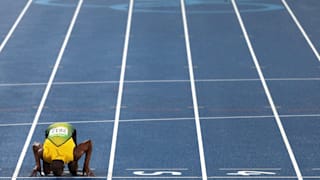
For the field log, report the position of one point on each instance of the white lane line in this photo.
(6, 39)
(46, 92)
(268, 94)
(256, 118)
(155, 81)
(120, 93)
(194, 93)
(316, 53)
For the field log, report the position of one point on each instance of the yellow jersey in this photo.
(59, 144)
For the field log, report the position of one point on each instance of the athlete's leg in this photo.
(79, 150)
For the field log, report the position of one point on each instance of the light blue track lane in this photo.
(27, 57)
(157, 52)
(93, 53)
(234, 142)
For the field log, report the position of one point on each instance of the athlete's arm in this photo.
(37, 152)
(84, 148)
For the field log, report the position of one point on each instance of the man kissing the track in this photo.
(60, 148)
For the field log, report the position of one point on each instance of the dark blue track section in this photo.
(220, 52)
(23, 109)
(8, 15)
(296, 97)
(232, 99)
(81, 103)
(27, 58)
(280, 46)
(244, 143)
(146, 101)
(97, 60)
(9, 160)
(33, 50)
(218, 47)
(284, 53)
(151, 57)
(95, 49)
(165, 147)
(303, 133)
(307, 13)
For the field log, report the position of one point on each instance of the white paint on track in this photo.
(120, 93)
(46, 93)
(268, 94)
(194, 93)
(155, 81)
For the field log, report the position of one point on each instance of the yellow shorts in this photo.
(64, 152)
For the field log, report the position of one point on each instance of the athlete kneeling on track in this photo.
(60, 148)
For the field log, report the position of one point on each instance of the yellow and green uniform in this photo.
(59, 144)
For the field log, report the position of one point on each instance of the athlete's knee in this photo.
(37, 149)
(57, 167)
(36, 146)
(90, 144)
(86, 145)
(73, 167)
(80, 149)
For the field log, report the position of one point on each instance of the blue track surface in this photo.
(158, 135)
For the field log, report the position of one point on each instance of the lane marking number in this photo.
(157, 173)
(251, 173)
